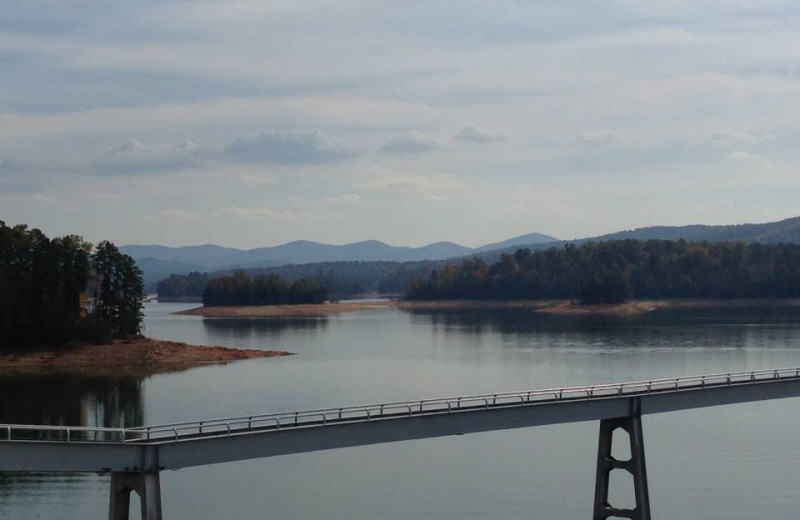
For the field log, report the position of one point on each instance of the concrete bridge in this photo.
(135, 456)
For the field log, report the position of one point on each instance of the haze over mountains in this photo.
(160, 261)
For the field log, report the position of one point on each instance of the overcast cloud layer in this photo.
(255, 123)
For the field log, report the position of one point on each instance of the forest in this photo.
(596, 272)
(611, 272)
(53, 291)
(341, 279)
(270, 289)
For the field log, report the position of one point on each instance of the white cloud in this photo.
(240, 213)
(517, 209)
(744, 156)
(352, 198)
(109, 197)
(255, 180)
(237, 213)
(731, 139)
(600, 137)
(675, 86)
(179, 214)
(475, 134)
(40, 198)
(424, 185)
(133, 156)
(409, 142)
(287, 147)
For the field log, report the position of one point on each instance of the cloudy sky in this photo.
(252, 123)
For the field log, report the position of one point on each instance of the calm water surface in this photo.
(732, 462)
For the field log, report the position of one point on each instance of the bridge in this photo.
(135, 456)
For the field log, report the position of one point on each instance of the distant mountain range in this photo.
(158, 262)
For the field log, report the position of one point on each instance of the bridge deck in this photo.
(178, 445)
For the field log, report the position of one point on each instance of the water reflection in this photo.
(511, 321)
(73, 400)
(730, 328)
(239, 329)
(389, 355)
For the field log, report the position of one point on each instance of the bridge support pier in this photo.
(147, 486)
(635, 466)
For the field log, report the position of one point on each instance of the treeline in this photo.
(62, 289)
(358, 277)
(186, 287)
(341, 279)
(270, 289)
(610, 272)
(192, 286)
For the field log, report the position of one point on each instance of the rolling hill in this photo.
(159, 261)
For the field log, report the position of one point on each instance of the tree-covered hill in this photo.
(617, 270)
(786, 231)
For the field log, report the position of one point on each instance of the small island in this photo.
(69, 307)
(268, 295)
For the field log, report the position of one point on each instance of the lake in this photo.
(731, 462)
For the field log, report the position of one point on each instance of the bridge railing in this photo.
(326, 416)
(37, 432)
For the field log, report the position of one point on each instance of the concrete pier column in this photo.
(146, 485)
(635, 466)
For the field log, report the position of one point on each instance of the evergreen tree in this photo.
(119, 291)
(43, 284)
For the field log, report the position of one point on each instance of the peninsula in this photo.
(137, 357)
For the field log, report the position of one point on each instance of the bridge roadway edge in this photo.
(104, 457)
(180, 454)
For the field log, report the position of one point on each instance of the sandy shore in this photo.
(139, 357)
(434, 305)
(635, 307)
(630, 308)
(289, 311)
(328, 309)
(612, 309)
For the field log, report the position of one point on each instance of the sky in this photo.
(250, 124)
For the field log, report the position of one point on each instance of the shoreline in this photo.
(141, 357)
(555, 307)
(315, 310)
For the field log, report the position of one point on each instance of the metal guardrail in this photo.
(393, 410)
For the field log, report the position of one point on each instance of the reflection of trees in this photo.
(665, 328)
(513, 321)
(63, 400)
(221, 329)
(72, 400)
